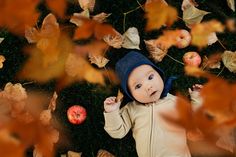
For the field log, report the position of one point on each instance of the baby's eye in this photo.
(138, 86)
(150, 77)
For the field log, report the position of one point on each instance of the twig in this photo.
(140, 5)
(221, 44)
(175, 59)
(221, 71)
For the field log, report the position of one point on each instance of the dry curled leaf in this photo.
(192, 15)
(212, 62)
(119, 96)
(53, 101)
(45, 117)
(2, 59)
(76, 20)
(1, 39)
(100, 61)
(101, 17)
(188, 3)
(231, 4)
(212, 38)
(104, 153)
(200, 32)
(114, 40)
(155, 52)
(229, 60)
(159, 14)
(73, 154)
(131, 39)
(231, 25)
(87, 4)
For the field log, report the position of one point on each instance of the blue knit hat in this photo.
(128, 63)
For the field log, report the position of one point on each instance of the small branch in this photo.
(221, 44)
(124, 22)
(175, 59)
(221, 71)
(140, 5)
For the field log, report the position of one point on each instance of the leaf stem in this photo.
(175, 59)
(221, 44)
(221, 71)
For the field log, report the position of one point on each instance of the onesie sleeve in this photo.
(118, 123)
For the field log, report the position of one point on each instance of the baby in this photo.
(143, 82)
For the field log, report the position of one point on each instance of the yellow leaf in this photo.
(159, 14)
(229, 60)
(192, 15)
(131, 39)
(2, 59)
(87, 4)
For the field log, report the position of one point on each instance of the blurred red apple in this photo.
(76, 114)
(183, 39)
(192, 58)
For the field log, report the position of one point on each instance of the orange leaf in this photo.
(16, 15)
(159, 14)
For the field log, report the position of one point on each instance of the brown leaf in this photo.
(53, 101)
(119, 96)
(200, 32)
(192, 15)
(159, 14)
(73, 154)
(230, 25)
(212, 62)
(104, 153)
(155, 52)
(2, 59)
(187, 4)
(57, 6)
(100, 61)
(76, 20)
(114, 41)
(87, 4)
(15, 15)
(229, 60)
(101, 17)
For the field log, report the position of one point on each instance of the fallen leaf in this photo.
(230, 25)
(76, 20)
(187, 4)
(87, 4)
(159, 14)
(212, 62)
(200, 32)
(231, 4)
(2, 59)
(131, 39)
(52, 104)
(104, 153)
(155, 52)
(73, 154)
(212, 38)
(114, 40)
(192, 15)
(101, 17)
(15, 15)
(120, 96)
(46, 38)
(57, 6)
(1, 39)
(100, 61)
(229, 60)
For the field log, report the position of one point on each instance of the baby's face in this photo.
(145, 84)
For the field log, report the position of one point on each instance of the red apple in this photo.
(76, 114)
(183, 39)
(192, 58)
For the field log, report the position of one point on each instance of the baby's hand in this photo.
(195, 96)
(195, 88)
(111, 105)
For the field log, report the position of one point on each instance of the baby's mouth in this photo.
(153, 93)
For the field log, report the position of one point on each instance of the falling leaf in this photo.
(114, 41)
(229, 60)
(200, 32)
(212, 62)
(15, 15)
(87, 4)
(159, 14)
(231, 4)
(101, 17)
(2, 59)
(131, 39)
(57, 6)
(230, 25)
(73, 154)
(119, 96)
(192, 15)
(100, 61)
(155, 52)
(76, 20)
(80, 69)
(188, 3)
(104, 153)
(46, 39)
(92, 27)
(1, 39)
(212, 38)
